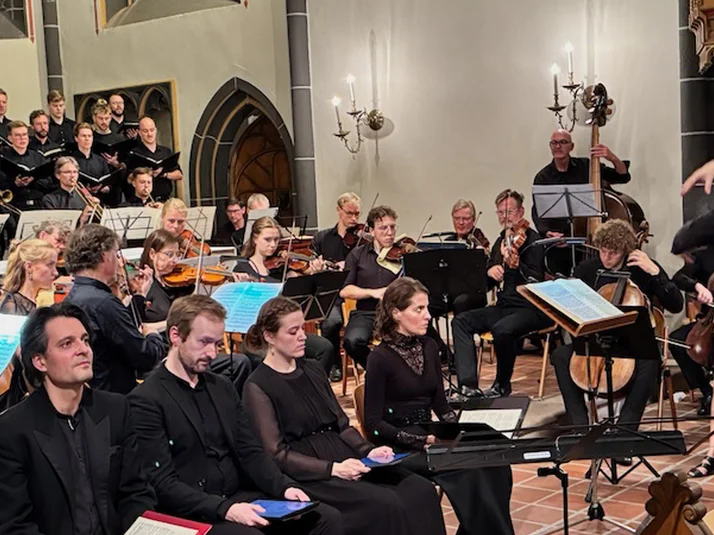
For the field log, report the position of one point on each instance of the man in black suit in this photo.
(195, 439)
(69, 454)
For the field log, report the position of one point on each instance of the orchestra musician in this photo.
(618, 251)
(142, 182)
(70, 457)
(330, 245)
(173, 216)
(92, 164)
(120, 349)
(116, 106)
(61, 129)
(66, 197)
(261, 246)
(257, 201)
(403, 386)
(512, 317)
(300, 423)
(164, 179)
(232, 231)
(53, 232)
(40, 141)
(211, 475)
(4, 121)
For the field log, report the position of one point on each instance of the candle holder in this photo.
(374, 119)
(577, 91)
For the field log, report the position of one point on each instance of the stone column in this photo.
(50, 24)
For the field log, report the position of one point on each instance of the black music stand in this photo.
(316, 293)
(447, 273)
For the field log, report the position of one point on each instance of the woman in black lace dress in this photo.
(403, 386)
(300, 423)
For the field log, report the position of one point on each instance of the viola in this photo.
(401, 247)
(515, 237)
(192, 245)
(699, 338)
(356, 235)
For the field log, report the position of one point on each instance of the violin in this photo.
(515, 237)
(699, 338)
(476, 238)
(192, 245)
(401, 247)
(184, 275)
(356, 235)
(297, 262)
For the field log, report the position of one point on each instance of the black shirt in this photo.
(87, 521)
(120, 350)
(530, 269)
(61, 199)
(364, 272)
(228, 235)
(657, 288)
(62, 133)
(27, 197)
(163, 187)
(698, 271)
(330, 245)
(221, 476)
(3, 127)
(246, 266)
(159, 299)
(578, 172)
(96, 166)
(133, 200)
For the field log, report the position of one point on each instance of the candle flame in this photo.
(568, 46)
(350, 79)
(554, 69)
(336, 101)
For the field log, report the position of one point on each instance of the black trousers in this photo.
(641, 388)
(324, 520)
(236, 367)
(507, 325)
(332, 326)
(693, 372)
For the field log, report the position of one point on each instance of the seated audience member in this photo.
(403, 386)
(31, 268)
(300, 423)
(39, 140)
(69, 455)
(147, 146)
(195, 437)
(142, 185)
(120, 349)
(232, 231)
(61, 128)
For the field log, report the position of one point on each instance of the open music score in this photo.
(502, 420)
(243, 300)
(10, 326)
(32, 219)
(153, 523)
(575, 306)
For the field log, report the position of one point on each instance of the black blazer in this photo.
(35, 479)
(172, 444)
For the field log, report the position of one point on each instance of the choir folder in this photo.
(153, 523)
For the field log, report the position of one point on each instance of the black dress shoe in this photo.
(705, 406)
(336, 374)
(624, 461)
(469, 392)
(498, 391)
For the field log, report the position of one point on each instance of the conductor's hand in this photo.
(246, 514)
(704, 296)
(703, 175)
(641, 260)
(349, 469)
(496, 273)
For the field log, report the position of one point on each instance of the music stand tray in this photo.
(566, 201)
(316, 293)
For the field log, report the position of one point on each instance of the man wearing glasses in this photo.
(330, 245)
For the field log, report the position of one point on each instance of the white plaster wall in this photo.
(466, 83)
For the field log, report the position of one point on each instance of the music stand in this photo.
(447, 273)
(316, 293)
(131, 222)
(566, 201)
(30, 220)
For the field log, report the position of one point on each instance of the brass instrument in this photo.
(84, 196)
(6, 199)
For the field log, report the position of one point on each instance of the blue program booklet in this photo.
(398, 458)
(283, 509)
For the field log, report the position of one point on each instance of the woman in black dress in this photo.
(300, 423)
(403, 386)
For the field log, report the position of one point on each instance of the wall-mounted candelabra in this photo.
(576, 90)
(360, 117)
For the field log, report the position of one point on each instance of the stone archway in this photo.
(225, 122)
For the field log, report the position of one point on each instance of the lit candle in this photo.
(569, 51)
(554, 69)
(351, 84)
(336, 103)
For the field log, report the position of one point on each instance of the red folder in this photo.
(168, 519)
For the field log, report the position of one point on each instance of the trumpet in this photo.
(85, 197)
(6, 199)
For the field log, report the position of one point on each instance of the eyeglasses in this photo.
(561, 142)
(386, 228)
(351, 214)
(501, 213)
(462, 219)
(171, 255)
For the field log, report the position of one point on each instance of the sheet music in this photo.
(32, 219)
(243, 301)
(499, 419)
(10, 326)
(132, 222)
(200, 220)
(146, 526)
(576, 299)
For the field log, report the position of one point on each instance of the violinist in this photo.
(66, 197)
(120, 348)
(618, 251)
(142, 183)
(262, 264)
(173, 216)
(512, 317)
(257, 201)
(55, 233)
(330, 245)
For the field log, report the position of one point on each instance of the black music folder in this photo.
(120, 147)
(105, 180)
(12, 169)
(53, 153)
(139, 160)
(128, 125)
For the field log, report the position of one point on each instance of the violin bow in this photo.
(136, 316)
(374, 203)
(201, 216)
(423, 229)
(287, 258)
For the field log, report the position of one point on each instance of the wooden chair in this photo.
(348, 305)
(548, 333)
(358, 400)
(665, 371)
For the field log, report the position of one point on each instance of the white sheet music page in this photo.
(499, 419)
(146, 526)
(576, 299)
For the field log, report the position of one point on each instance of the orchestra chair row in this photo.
(348, 365)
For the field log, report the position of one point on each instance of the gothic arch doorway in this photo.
(241, 146)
